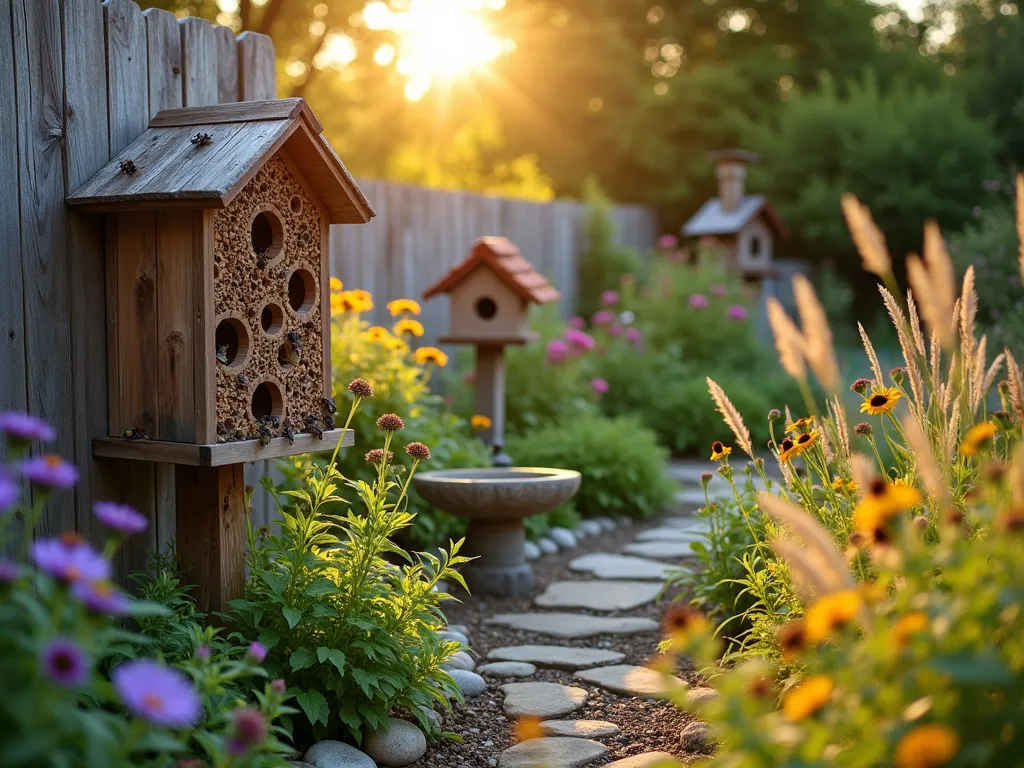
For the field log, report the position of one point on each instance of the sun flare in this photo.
(437, 41)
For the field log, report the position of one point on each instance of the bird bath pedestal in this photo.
(496, 501)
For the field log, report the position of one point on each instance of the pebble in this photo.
(547, 546)
(336, 754)
(530, 550)
(563, 537)
(642, 761)
(574, 625)
(396, 744)
(701, 694)
(431, 715)
(629, 680)
(608, 596)
(586, 729)
(541, 699)
(459, 660)
(455, 637)
(492, 762)
(557, 656)
(552, 752)
(441, 586)
(470, 683)
(607, 523)
(462, 629)
(507, 669)
(591, 527)
(487, 743)
(694, 736)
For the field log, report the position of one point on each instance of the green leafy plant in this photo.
(603, 263)
(354, 632)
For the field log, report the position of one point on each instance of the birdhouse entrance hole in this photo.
(301, 291)
(486, 308)
(267, 400)
(272, 319)
(232, 339)
(267, 236)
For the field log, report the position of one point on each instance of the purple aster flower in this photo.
(102, 597)
(738, 312)
(70, 559)
(120, 517)
(50, 470)
(577, 322)
(579, 339)
(10, 491)
(600, 386)
(9, 572)
(23, 428)
(161, 695)
(279, 686)
(558, 351)
(718, 289)
(610, 298)
(667, 242)
(698, 301)
(633, 335)
(615, 329)
(602, 317)
(257, 652)
(250, 730)
(64, 662)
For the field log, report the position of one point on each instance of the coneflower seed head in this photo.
(418, 451)
(376, 456)
(360, 388)
(863, 429)
(860, 386)
(390, 422)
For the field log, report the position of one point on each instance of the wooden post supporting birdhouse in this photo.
(218, 227)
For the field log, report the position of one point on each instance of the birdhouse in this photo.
(491, 292)
(218, 245)
(746, 227)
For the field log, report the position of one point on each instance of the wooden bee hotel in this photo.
(217, 268)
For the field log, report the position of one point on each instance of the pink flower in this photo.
(738, 312)
(698, 301)
(600, 386)
(579, 340)
(667, 242)
(609, 298)
(633, 334)
(719, 290)
(577, 322)
(257, 652)
(615, 329)
(602, 317)
(558, 351)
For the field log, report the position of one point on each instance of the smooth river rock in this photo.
(574, 625)
(661, 550)
(563, 537)
(459, 660)
(592, 527)
(530, 550)
(453, 636)
(694, 736)
(557, 656)
(541, 699)
(547, 546)
(598, 595)
(582, 729)
(606, 523)
(608, 566)
(396, 744)
(552, 752)
(337, 754)
(470, 683)
(507, 669)
(645, 760)
(628, 680)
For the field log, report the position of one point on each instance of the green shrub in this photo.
(624, 469)
(604, 262)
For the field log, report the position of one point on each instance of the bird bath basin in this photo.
(496, 501)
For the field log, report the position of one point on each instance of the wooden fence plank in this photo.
(127, 73)
(44, 230)
(227, 65)
(199, 62)
(257, 76)
(163, 52)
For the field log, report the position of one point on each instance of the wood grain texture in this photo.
(199, 62)
(218, 454)
(163, 51)
(247, 112)
(227, 65)
(205, 331)
(257, 73)
(127, 73)
(44, 233)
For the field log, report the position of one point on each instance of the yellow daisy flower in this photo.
(681, 622)
(337, 303)
(882, 400)
(434, 355)
(830, 612)
(479, 421)
(807, 698)
(909, 625)
(376, 334)
(719, 451)
(840, 484)
(801, 424)
(336, 284)
(788, 450)
(806, 440)
(400, 306)
(357, 301)
(881, 503)
(407, 325)
(977, 438)
(927, 746)
(397, 345)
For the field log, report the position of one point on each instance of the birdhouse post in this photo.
(491, 292)
(218, 323)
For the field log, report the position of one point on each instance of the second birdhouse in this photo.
(218, 228)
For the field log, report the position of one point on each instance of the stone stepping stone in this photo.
(629, 680)
(507, 669)
(662, 550)
(552, 752)
(541, 699)
(695, 496)
(556, 656)
(598, 595)
(604, 565)
(670, 534)
(645, 760)
(574, 625)
(687, 523)
(582, 729)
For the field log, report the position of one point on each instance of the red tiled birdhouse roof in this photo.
(503, 257)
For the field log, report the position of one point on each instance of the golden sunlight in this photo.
(437, 41)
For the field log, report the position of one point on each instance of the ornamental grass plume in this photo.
(867, 237)
(732, 417)
(1020, 224)
(788, 341)
(817, 335)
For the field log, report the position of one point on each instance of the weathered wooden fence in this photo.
(79, 81)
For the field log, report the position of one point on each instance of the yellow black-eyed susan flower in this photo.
(801, 425)
(882, 502)
(357, 301)
(907, 625)
(375, 333)
(806, 440)
(479, 421)
(927, 746)
(841, 484)
(829, 612)
(1011, 520)
(807, 698)
(719, 451)
(433, 355)
(395, 344)
(403, 306)
(792, 638)
(882, 400)
(680, 621)
(336, 284)
(410, 326)
(788, 450)
(978, 438)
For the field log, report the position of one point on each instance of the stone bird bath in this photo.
(496, 501)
